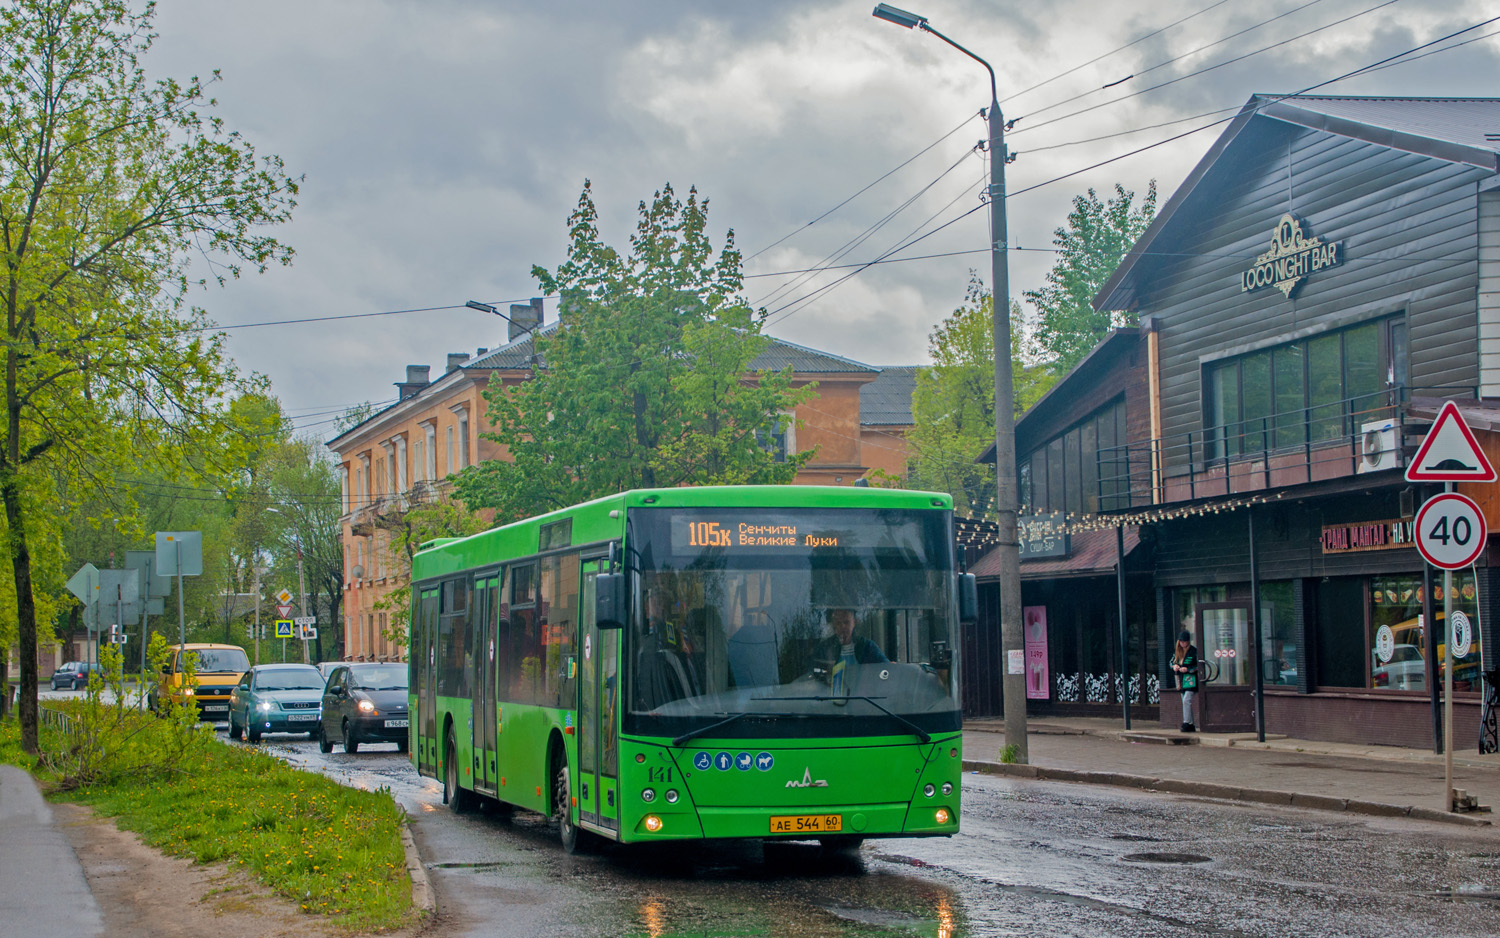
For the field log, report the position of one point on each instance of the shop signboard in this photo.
(1293, 255)
(1043, 536)
(1038, 682)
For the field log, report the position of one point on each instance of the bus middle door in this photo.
(598, 690)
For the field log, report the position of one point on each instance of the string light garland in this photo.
(976, 532)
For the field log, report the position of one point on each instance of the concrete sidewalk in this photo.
(1378, 780)
(43, 892)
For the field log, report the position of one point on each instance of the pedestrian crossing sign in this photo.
(283, 628)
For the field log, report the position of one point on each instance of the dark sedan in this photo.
(276, 698)
(73, 675)
(364, 702)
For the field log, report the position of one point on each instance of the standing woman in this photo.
(1185, 663)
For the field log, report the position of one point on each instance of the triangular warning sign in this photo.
(284, 610)
(1450, 453)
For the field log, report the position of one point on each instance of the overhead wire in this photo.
(1099, 58)
(961, 125)
(1201, 71)
(1165, 63)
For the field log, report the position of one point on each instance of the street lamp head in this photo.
(482, 307)
(900, 17)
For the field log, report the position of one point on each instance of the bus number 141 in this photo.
(707, 534)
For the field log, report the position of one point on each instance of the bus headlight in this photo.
(947, 788)
(653, 823)
(648, 795)
(672, 796)
(942, 815)
(929, 789)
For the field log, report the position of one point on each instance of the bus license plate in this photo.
(397, 724)
(300, 717)
(807, 823)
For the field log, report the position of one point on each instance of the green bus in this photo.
(699, 663)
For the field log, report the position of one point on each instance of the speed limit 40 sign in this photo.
(1450, 530)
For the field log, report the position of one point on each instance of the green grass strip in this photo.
(335, 851)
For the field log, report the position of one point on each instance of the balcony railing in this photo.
(1312, 444)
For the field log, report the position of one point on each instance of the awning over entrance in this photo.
(1093, 554)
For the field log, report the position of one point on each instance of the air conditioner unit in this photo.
(1379, 446)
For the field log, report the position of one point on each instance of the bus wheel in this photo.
(455, 797)
(562, 803)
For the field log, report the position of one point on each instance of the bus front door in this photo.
(598, 735)
(427, 741)
(486, 596)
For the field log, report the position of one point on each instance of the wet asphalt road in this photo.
(1033, 859)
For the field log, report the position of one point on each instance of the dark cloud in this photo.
(446, 142)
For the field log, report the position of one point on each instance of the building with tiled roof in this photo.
(403, 454)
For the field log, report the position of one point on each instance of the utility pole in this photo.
(302, 591)
(255, 567)
(1007, 548)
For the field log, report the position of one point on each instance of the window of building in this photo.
(1309, 391)
(430, 468)
(452, 456)
(401, 485)
(1073, 471)
(781, 441)
(1278, 630)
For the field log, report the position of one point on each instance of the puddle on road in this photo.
(1136, 838)
(1166, 858)
(1467, 893)
(473, 866)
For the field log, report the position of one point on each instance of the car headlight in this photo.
(188, 692)
(366, 707)
(264, 706)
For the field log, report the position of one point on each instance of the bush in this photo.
(107, 741)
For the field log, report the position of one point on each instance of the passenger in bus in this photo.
(665, 673)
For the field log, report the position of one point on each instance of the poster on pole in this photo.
(1038, 681)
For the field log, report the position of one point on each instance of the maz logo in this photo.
(807, 781)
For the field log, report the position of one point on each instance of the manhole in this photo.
(467, 866)
(1166, 858)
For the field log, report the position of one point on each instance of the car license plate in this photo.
(216, 708)
(807, 823)
(301, 717)
(397, 724)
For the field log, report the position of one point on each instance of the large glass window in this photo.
(1072, 470)
(823, 622)
(1398, 644)
(1315, 390)
(1278, 632)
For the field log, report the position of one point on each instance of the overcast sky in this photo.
(444, 143)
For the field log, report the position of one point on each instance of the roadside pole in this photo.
(1448, 680)
(302, 592)
(256, 567)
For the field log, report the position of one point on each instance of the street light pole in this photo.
(1012, 641)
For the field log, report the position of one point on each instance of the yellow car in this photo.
(219, 669)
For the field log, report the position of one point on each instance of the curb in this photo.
(422, 894)
(1225, 792)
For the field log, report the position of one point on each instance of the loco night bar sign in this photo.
(1292, 257)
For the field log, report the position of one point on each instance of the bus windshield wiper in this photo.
(705, 730)
(920, 733)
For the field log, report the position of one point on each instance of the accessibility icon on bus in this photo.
(702, 761)
(743, 761)
(764, 761)
(723, 761)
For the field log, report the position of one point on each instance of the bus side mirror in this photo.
(968, 599)
(610, 600)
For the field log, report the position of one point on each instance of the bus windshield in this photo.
(791, 622)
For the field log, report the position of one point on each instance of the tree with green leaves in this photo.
(109, 185)
(953, 406)
(647, 379)
(1093, 243)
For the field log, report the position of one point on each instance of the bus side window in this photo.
(453, 638)
(521, 667)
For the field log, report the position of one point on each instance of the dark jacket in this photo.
(1187, 679)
